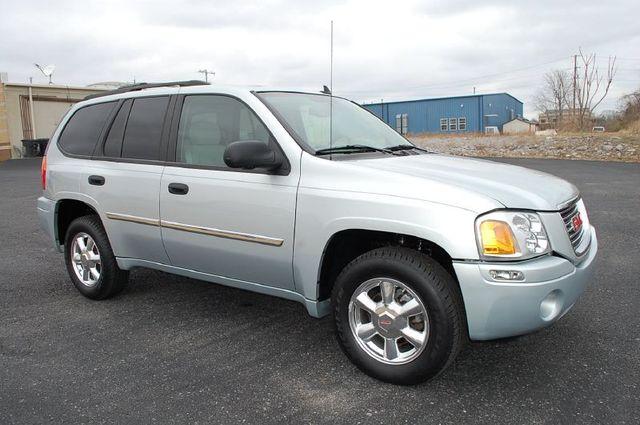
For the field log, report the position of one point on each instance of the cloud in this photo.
(391, 50)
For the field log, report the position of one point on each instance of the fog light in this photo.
(551, 305)
(506, 274)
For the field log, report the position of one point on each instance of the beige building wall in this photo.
(50, 104)
(47, 116)
(5, 144)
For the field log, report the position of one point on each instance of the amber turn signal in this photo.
(43, 172)
(497, 238)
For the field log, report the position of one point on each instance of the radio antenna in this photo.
(331, 93)
(331, 66)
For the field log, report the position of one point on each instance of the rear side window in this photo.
(81, 133)
(113, 142)
(144, 128)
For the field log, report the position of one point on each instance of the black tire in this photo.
(112, 279)
(440, 295)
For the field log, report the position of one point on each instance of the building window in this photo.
(402, 123)
(462, 124)
(444, 124)
(453, 124)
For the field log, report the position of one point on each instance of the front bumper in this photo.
(498, 309)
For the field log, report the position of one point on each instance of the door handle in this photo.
(96, 180)
(178, 188)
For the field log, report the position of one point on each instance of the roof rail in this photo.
(142, 86)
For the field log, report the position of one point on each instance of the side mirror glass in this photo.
(250, 154)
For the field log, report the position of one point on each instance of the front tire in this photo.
(398, 315)
(90, 261)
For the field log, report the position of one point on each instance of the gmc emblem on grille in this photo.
(576, 222)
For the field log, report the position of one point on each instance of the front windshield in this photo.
(308, 115)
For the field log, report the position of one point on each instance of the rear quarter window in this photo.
(113, 142)
(81, 133)
(143, 131)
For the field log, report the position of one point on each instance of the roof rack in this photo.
(143, 86)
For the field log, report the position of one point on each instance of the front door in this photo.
(237, 224)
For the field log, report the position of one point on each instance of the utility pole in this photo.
(31, 116)
(474, 89)
(575, 80)
(206, 73)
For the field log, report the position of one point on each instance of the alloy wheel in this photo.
(388, 320)
(85, 259)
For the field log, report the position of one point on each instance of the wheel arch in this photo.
(69, 209)
(345, 245)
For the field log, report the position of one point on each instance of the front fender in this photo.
(322, 214)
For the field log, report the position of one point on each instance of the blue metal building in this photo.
(460, 114)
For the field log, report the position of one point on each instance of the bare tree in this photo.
(552, 99)
(630, 110)
(591, 86)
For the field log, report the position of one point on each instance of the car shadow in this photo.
(506, 362)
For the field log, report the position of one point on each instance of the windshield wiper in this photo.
(406, 148)
(346, 149)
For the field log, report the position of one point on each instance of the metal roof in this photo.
(446, 97)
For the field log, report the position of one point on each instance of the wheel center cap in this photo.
(387, 324)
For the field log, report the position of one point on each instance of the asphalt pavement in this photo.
(176, 350)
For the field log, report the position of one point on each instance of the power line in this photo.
(493, 84)
(453, 85)
(465, 81)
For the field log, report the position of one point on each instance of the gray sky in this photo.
(383, 49)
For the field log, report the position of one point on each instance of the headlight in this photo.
(511, 235)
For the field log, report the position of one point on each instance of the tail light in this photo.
(43, 172)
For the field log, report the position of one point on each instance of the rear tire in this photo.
(90, 261)
(393, 299)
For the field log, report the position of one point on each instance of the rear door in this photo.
(233, 223)
(126, 177)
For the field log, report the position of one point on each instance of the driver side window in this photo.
(209, 123)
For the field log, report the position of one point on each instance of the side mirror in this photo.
(250, 154)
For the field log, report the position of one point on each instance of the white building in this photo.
(519, 126)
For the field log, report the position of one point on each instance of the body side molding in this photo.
(247, 237)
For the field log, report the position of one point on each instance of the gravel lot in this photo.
(176, 350)
(622, 146)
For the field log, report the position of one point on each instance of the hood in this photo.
(510, 185)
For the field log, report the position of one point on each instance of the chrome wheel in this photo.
(85, 259)
(388, 320)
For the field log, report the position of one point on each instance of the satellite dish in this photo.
(47, 70)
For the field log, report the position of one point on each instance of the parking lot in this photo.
(172, 349)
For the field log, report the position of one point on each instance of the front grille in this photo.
(567, 215)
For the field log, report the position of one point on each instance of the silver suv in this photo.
(311, 198)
